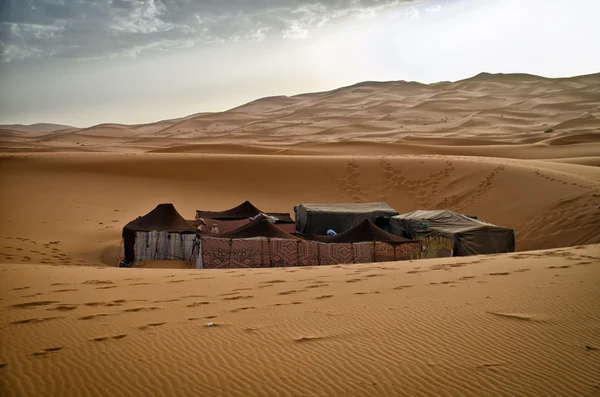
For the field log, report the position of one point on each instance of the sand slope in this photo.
(84, 200)
(501, 325)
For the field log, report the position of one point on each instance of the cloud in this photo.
(434, 8)
(83, 29)
(413, 12)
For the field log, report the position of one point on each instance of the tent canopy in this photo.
(242, 211)
(471, 236)
(259, 227)
(318, 218)
(364, 231)
(162, 218)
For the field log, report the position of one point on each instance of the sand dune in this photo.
(514, 109)
(520, 324)
(516, 150)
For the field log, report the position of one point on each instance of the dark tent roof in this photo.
(162, 218)
(446, 220)
(364, 231)
(471, 236)
(242, 211)
(318, 218)
(260, 227)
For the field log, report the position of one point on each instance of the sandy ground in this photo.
(501, 325)
(514, 324)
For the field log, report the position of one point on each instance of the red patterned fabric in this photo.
(216, 253)
(335, 253)
(384, 252)
(266, 255)
(342, 252)
(364, 252)
(246, 252)
(407, 251)
(283, 252)
(326, 256)
(308, 253)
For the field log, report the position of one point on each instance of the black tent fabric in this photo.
(364, 231)
(242, 211)
(164, 218)
(259, 227)
(316, 219)
(471, 236)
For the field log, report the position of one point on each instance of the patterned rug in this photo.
(283, 252)
(384, 252)
(408, 251)
(216, 253)
(364, 252)
(247, 252)
(308, 253)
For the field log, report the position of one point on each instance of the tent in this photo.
(161, 234)
(364, 231)
(259, 227)
(240, 215)
(467, 235)
(318, 218)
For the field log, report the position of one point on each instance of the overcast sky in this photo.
(84, 62)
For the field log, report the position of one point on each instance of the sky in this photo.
(86, 62)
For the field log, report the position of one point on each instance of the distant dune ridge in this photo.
(39, 127)
(516, 150)
(487, 115)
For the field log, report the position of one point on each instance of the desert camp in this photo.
(346, 198)
(349, 233)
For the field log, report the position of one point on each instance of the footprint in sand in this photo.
(2, 365)
(151, 325)
(63, 308)
(33, 320)
(32, 295)
(235, 298)
(20, 288)
(559, 267)
(96, 282)
(324, 297)
(318, 285)
(105, 338)
(289, 292)
(354, 280)
(239, 309)
(140, 309)
(288, 303)
(196, 304)
(93, 316)
(401, 287)
(499, 274)
(32, 304)
(45, 351)
(66, 290)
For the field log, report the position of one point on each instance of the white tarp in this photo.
(164, 246)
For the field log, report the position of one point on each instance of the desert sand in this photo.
(516, 150)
